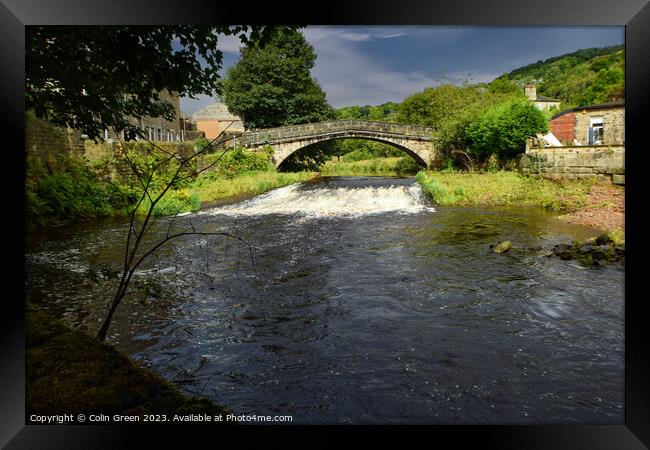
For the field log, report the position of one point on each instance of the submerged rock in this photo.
(592, 252)
(502, 247)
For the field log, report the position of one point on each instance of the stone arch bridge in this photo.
(413, 139)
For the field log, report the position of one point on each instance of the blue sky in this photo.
(370, 65)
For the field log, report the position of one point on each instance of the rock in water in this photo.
(502, 247)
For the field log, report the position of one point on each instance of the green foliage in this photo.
(385, 112)
(360, 149)
(68, 189)
(439, 106)
(308, 158)
(98, 77)
(503, 130)
(272, 86)
(374, 166)
(502, 188)
(585, 77)
(407, 166)
(236, 162)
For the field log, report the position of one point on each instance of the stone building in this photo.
(213, 119)
(158, 128)
(542, 102)
(602, 124)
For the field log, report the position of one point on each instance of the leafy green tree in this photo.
(272, 86)
(503, 130)
(98, 77)
(435, 105)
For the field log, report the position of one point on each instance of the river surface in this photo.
(360, 302)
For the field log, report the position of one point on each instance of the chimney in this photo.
(531, 91)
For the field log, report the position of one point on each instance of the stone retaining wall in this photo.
(47, 141)
(606, 162)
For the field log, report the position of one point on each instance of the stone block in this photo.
(618, 179)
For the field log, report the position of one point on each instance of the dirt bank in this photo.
(605, 208)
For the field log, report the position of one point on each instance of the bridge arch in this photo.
(414, 140)
(287, 151)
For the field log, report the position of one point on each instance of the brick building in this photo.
(602, 124)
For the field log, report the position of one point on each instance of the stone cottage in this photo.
(541, 102)
(602, 124)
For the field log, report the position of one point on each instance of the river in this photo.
(361, 302)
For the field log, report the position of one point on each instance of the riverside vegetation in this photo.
(71, 187)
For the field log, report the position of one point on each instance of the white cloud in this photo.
(351, 77)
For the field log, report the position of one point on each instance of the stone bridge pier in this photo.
(414, 140)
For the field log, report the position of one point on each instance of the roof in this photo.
(543, 98)
(218, 111)
(614, 104)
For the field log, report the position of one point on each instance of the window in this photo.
(596, 131)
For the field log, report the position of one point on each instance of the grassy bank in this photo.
(70, 372)
(503, 188)
(71, 188)
(375, 166)
(246, 183)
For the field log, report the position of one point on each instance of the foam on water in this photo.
(336, 202)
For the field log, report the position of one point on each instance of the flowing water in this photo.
(360, 302)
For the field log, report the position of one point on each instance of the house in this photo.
(160, 129)
(215, 118)
(602, 124)
(157, 128)
(541, 102)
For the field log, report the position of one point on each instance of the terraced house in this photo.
(602, 124)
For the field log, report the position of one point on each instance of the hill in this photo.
(584, 77)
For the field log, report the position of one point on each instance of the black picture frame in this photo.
(633, 14)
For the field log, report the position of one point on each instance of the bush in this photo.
(68, 189)
(407, 166)
(358, 155)
(503, 130)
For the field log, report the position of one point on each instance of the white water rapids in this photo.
(336, 202)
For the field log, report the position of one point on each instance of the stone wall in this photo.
(613, 125)
(47, 141)
(605, 162)
(311, 129)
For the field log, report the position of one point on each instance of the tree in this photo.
(272, 86)
(95, 78)
(503, 130)
(101, 77)
(166, 172)
(435, 105)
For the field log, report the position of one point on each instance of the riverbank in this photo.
(604, 209)
(596, 204)
(503, 188)
(71, 188)
(70, 372)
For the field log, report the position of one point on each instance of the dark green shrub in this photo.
(407, 166)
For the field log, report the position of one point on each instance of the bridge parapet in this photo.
(270, 135)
